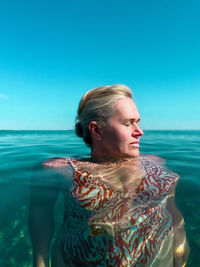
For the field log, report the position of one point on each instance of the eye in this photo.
(127, 124)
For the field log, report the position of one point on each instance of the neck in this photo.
(102, 157)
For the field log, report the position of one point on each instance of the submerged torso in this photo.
(122, 225)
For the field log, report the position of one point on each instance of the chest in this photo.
(111, 187)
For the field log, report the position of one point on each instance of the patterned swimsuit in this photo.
(135, 223)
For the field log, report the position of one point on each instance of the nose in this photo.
(137, 131)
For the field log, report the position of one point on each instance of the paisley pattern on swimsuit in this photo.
(138, 219)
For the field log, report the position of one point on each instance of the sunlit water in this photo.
(22, 150)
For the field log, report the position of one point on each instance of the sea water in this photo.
(21, 151)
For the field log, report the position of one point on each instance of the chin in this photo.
(135, 153)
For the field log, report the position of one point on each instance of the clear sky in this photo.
(51, 52)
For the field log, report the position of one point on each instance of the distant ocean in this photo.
(21, 150)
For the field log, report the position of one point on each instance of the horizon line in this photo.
(73, 130)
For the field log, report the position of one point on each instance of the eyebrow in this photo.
(133, 120)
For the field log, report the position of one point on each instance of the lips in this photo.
(135, 144)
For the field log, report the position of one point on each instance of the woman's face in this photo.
(120, 137)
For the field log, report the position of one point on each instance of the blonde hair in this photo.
(96, 105)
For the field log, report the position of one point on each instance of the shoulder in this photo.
(55, 163)
(59, 165)
(168, 176)
(154, 159)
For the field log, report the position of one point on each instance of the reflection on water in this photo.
(20, 151)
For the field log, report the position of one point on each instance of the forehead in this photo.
(126, 108)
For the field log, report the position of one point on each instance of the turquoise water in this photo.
(22, 150)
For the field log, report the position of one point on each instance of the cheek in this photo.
(121, 137)
(112, 138)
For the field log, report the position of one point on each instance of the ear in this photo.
(95, 130)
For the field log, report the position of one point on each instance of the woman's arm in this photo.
(181, 248)
(44, 189)
(41, 224)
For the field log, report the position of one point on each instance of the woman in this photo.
(119, 205)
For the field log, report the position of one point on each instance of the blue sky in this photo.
(51, 52)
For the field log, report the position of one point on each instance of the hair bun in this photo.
(78, 129)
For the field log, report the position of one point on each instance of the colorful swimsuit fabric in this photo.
(106, 227)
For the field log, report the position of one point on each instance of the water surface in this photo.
(22, 150)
